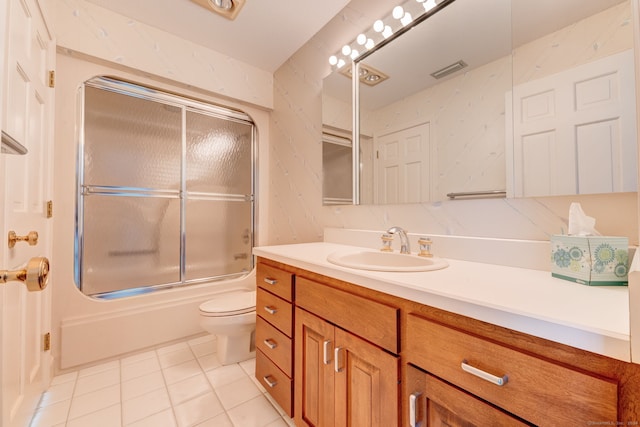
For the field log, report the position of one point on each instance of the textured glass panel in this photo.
(130, 242)
(218, 155)
(337, 164)
(131, 142)
(218, 238)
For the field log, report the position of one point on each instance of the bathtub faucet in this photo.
(404, 240)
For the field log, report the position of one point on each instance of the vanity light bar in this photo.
(401, 19)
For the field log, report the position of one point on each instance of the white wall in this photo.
(290, 179)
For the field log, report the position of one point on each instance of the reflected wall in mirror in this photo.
(337, 149)
(574, 106)
(562, 68)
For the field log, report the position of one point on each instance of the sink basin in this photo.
(385, 261)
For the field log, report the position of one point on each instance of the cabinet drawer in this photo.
(275, 281)
(535, 389)
(432, 402)
(275, 310)
(274, 344)
(371, 320)
(279, 386)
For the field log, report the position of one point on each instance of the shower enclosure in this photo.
(165, 193)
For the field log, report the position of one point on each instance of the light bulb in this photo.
(378, 26)
(429, 4)
(333, 60)
(340, 63)
(354, 54)
(406, 19)
(387, 32)
(361, 40)
(346, 50)
(398, 12)
(369, 44)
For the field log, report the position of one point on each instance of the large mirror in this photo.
(495, 98)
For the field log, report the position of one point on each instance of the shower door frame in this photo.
(186, 105)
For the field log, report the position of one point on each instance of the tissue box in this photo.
(590, 260)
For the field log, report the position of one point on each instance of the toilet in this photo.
(231, 317)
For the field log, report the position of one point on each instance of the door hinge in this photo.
(49, 208)
(52, 78)
(46, 342)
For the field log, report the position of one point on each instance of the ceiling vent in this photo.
(449, 69)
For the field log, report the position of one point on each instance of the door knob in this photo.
(31, 238)
(35, 274)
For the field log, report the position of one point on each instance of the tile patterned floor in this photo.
(179, 385)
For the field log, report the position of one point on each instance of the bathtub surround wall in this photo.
(86, 330)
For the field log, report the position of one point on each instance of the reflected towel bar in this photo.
(11, 145)
(490, 193)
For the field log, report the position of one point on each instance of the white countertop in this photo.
(593, 318)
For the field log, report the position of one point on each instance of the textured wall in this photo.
(296, 213)
(91, 30)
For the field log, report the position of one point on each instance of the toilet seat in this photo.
(230, 304)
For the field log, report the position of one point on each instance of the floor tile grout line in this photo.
(244, 368)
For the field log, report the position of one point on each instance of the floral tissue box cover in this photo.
(590, 260)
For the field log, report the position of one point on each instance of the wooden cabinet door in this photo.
(314, 385)
(366, 383)
(431, 402)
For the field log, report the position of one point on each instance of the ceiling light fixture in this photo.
(400, 19)
(226, 8)
(367, 74)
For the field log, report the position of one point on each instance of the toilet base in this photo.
(235, 348)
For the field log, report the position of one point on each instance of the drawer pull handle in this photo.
(270, 343)
(270, 281)
(499, 381)
(326, 352)
(413, 409)
(271, 382)
(270, 309)
(336, 361)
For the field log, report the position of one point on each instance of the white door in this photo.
(575, 131)
(403, 166)
(27, 117)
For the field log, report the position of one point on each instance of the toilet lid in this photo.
(230, 304)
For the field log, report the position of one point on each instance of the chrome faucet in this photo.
(404, 240)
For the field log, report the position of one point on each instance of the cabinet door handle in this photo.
(326, 352)
(270, 309)
(270, 343)
(271, 382)
(413, 409)
(270, 281)
(336, 359)
(499, 381)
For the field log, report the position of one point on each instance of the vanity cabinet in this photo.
(522, 384)
(274, 333)
(349, 355)
(342, 378)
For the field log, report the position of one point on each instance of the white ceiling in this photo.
(265, 33)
